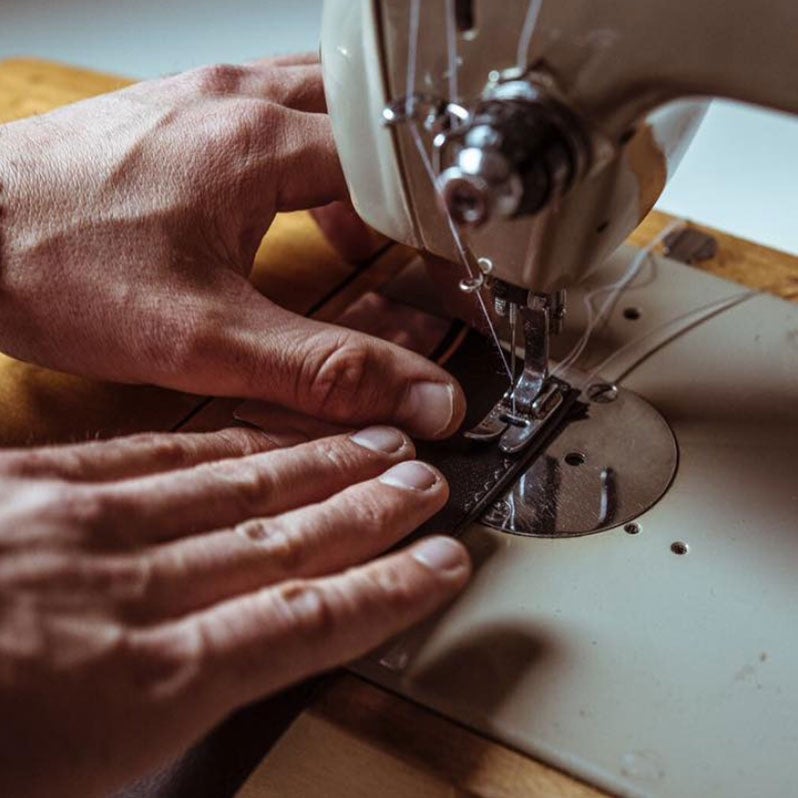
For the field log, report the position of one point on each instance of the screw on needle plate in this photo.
(602, 393)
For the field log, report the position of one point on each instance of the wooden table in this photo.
(356, 740)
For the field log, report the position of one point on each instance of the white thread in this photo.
(615, 290)
(451, 49)
(719, 304)
(532, 14)
(412, 57)
(541, 220)
(461, 247)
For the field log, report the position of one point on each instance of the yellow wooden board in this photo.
(359, 742)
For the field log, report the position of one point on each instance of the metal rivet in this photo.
(632, 528)
(575, 458)
(679, 547)
(602, 392)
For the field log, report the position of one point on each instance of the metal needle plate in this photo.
(601, 471)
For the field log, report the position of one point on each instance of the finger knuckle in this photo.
(253, 486)
(86, 508)
(131, 583)
(219, 78)
(263, 114)
(42, 510)
(285, 549)
(256, 530)
(308, 608)
(334, 453)
(167, 662)
(98, 514)
(163, 451)
(45, 463)
(375, 511)
(390, 583)
(21, 463)
(336, 373)
(242, 441)
(171, 452)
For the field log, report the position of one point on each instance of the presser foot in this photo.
(526, 410)
(516, 423)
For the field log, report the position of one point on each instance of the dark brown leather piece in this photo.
(478, 472)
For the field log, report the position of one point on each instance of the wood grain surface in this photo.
(357, 740)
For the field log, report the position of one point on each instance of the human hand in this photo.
(129, 226)
(150, 585)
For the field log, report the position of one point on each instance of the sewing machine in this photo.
(525, 141)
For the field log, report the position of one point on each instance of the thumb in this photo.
(325, 371)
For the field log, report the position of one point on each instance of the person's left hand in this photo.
(151, 585)
(128, 228)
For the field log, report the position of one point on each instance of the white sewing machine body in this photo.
(619, 64)
(658, 656)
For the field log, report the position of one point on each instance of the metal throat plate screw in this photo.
(602, 393)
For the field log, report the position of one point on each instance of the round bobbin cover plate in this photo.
(603, 470)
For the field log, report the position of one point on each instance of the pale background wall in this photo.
(740, 174)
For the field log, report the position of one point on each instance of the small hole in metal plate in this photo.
(575, 458)
(679, 547)
(632, 529)
(633, 314)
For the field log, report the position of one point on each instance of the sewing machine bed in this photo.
(658, 658)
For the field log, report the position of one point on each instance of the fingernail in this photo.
(430, 407)
(411, 476)
(440, 554)
(380, 439)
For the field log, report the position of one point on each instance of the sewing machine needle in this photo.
(513, 328)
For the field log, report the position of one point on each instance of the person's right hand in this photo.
(150, 585)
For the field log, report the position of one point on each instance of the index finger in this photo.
(308, 173)
(298, 86)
